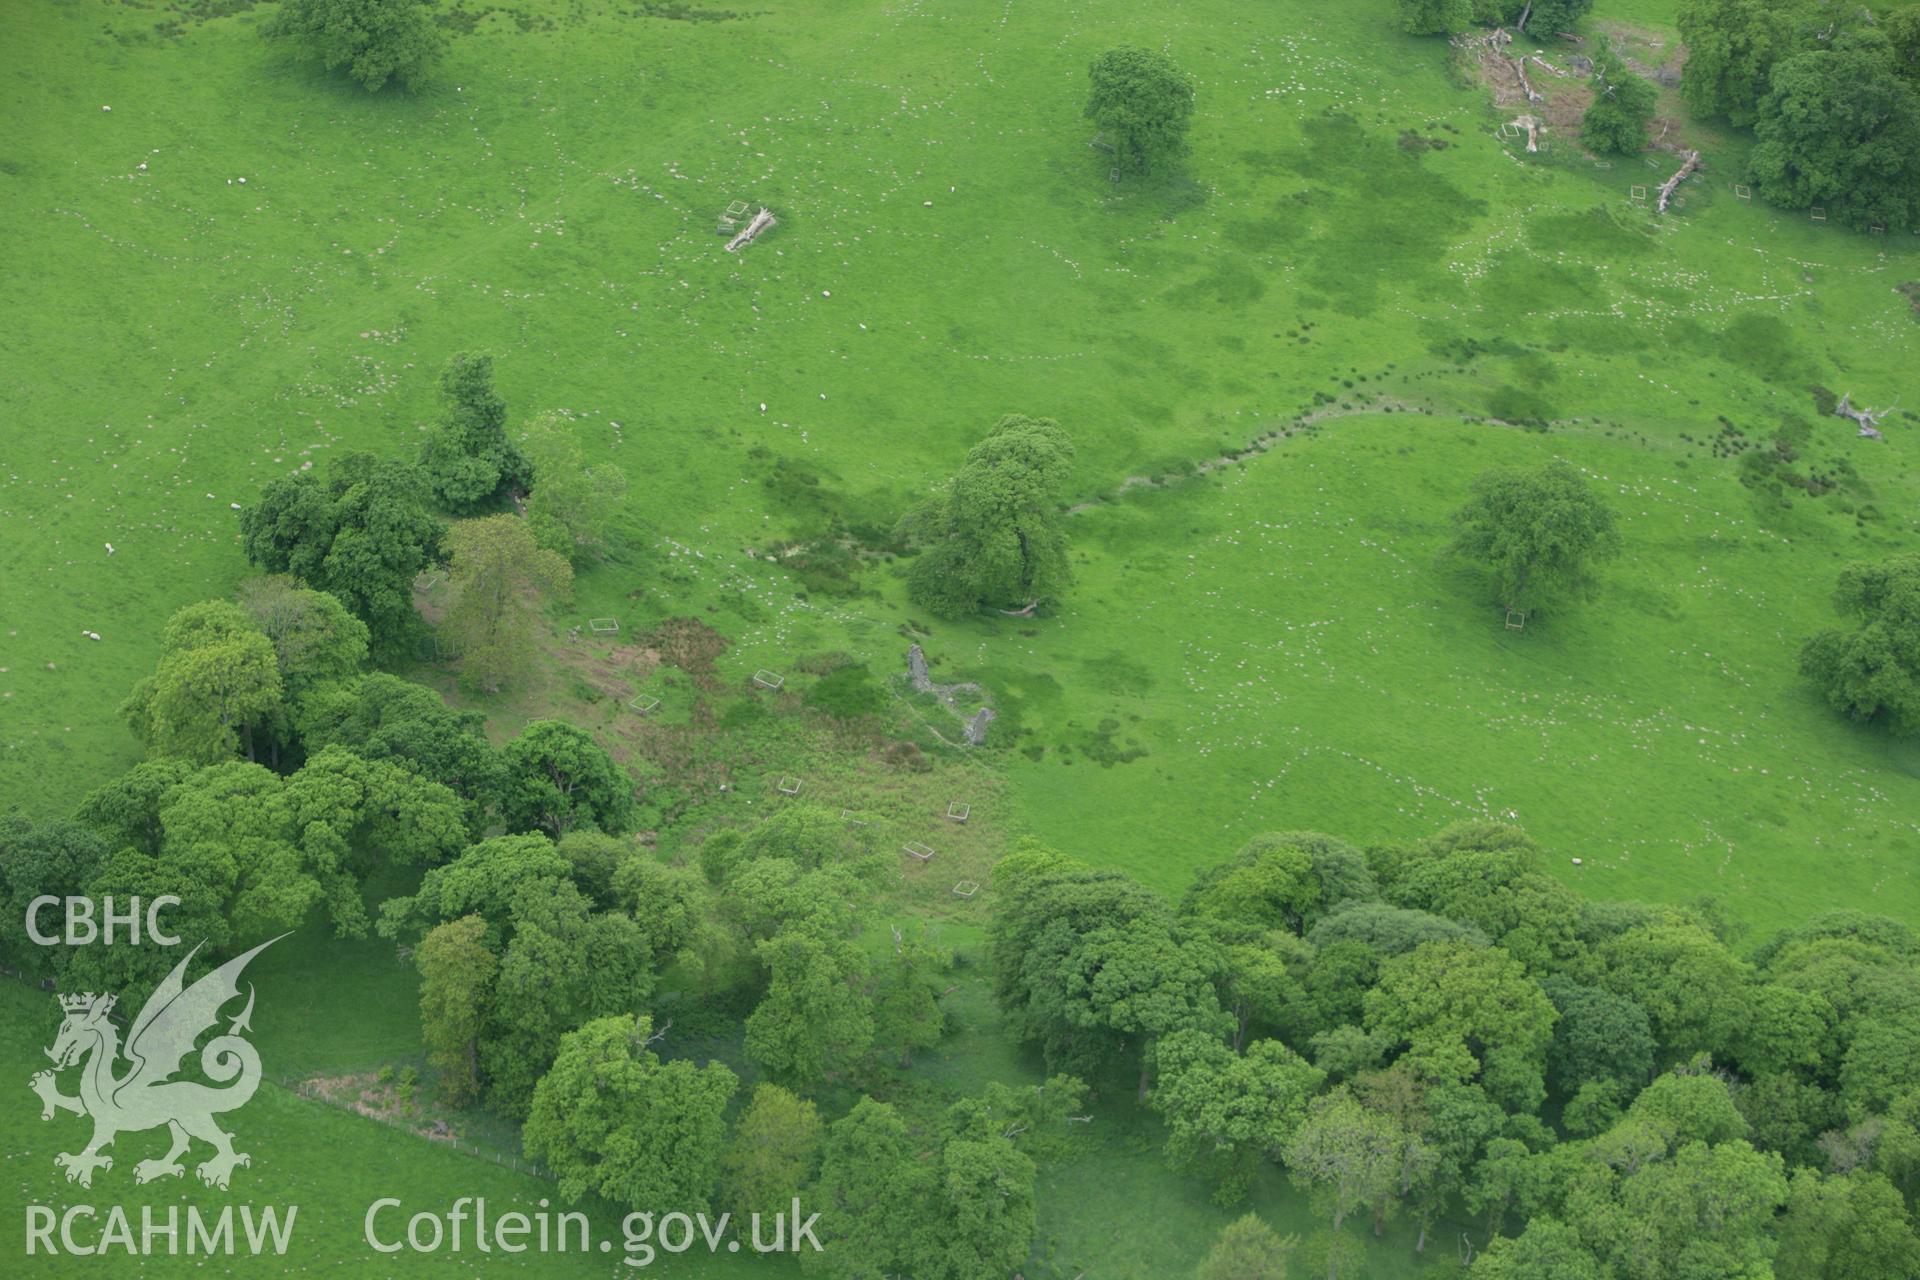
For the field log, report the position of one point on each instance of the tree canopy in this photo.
(498, 579)
(1616, 121)
(609, 1117)
(995, 539)
(575, 503)
(558, 778)
(1434, 17)
(1872, 672)
(375, 41)
(1840, 128)
(1731, 48)
(1541, 531)
(1143, 104)
(467, 457)
(1247, 1249)
(362, 535)
(773, 1154)
(218, 680)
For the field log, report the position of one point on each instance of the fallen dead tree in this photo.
(749, 233)
(1667, 187)
(1532, 126)
(1867, 419)
(1519, 66)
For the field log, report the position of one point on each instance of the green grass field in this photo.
(244, 267)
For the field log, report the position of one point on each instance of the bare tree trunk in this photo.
(761, 221)
(1867, 419)
(1526, 85)
(1667, 187)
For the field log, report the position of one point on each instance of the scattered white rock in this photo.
(143, 165)
(826, 293)
(109, 548)
(927, 203)
(106, 108)
(1576, 862)
(234, 505)
(243, 182)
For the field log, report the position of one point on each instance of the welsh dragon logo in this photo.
(145, 1096)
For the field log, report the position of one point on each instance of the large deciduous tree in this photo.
(1143, 104)
(773, 1153)
(986, 1208)
(1247, 1249)
(876, 1199)
(1434, 17)
(1599, 1037)
(316, 641)
(610, 1118)
(374, 41)
(564, 966)
(383, 717)
(906, 1010)
(1284, 880)
(574, 503)
(363, 536)
(995, 540)
(1541, 531)
(216, 683)
(1694, 991)
(456, 979)
(1840, 128)
(1616, 121)
(1853, 1227)
(1228, 1112)
(1872, 672)
(56, 859)
(1732, 46)
(498, 579)
(1466, 1013)
(1092, 966)
(468, 458)
(817, 1018)
(1345, 1156)
(558, 778)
